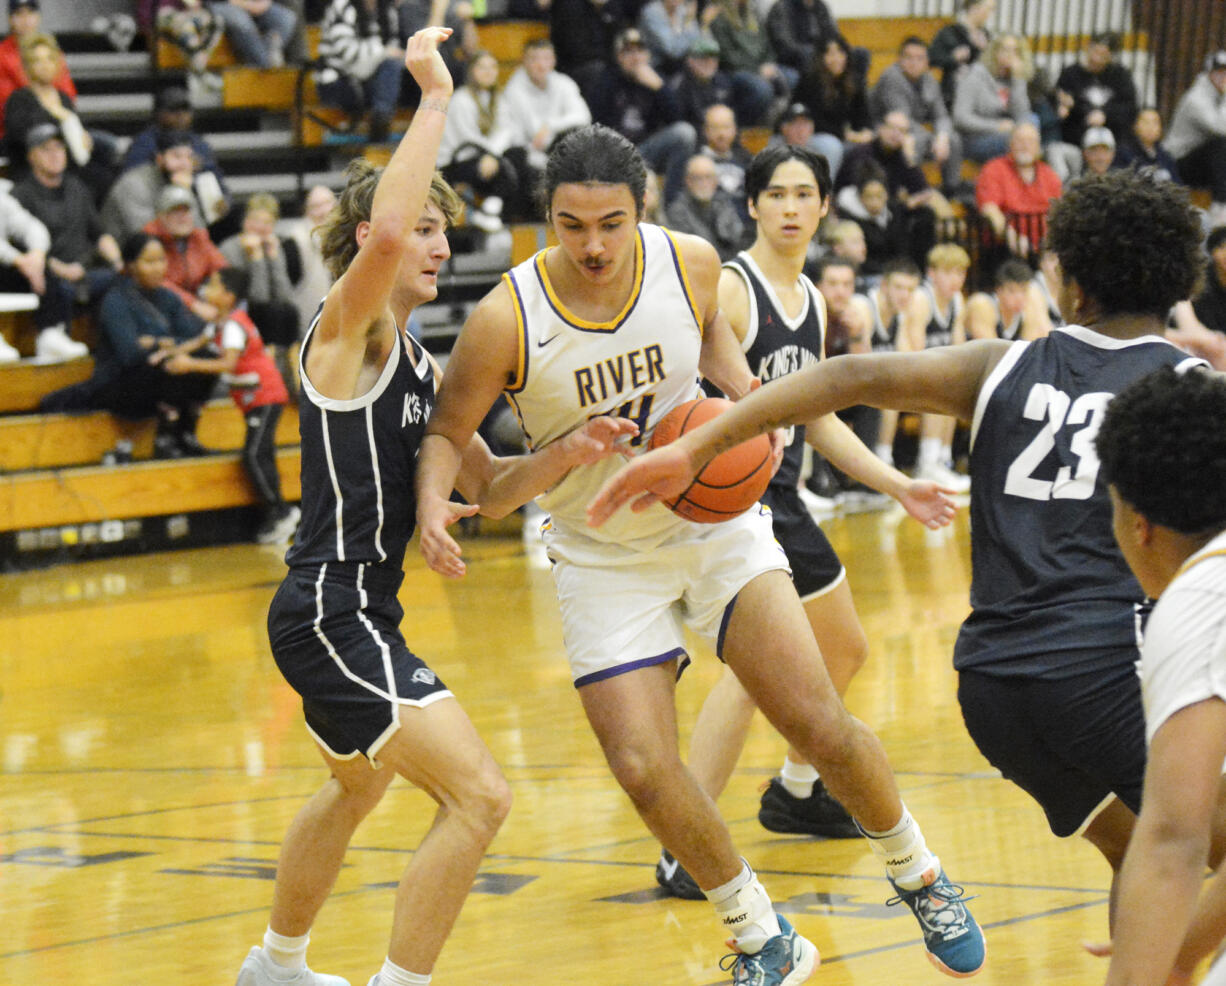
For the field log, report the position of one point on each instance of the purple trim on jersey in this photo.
(522, 319)
(545, 292)
(672, 248)
(646, 662)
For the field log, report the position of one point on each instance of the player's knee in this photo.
(484, 802)
(639, 772)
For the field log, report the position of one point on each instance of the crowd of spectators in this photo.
(960, 137)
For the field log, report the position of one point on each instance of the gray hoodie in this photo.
(1199, 117)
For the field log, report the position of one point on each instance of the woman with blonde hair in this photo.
(472, 155)
(39, 101)
(991, 98)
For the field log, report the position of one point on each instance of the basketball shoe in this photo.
(672, 876)
(785, 960)
(259, 970)
(952, 938)
(818, 814)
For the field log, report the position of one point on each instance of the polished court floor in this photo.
(152, 759)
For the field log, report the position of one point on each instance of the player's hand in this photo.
(426, 65)
(659, 475)
(598, 439)
(928, 503)
(779, 445)
(439, 548)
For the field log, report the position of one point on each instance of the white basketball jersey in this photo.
(640, 366)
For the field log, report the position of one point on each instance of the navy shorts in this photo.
(1068, 742)
(335, 635)
(815, 566)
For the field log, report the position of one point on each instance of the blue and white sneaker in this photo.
(952, 939)
(785, 960)
(259, 970)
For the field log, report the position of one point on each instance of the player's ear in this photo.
(361, 231)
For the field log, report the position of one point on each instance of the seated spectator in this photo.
(189, 256)
(137, 317)
(360, 61)
(746, 49)
(957, 46)
(845, 239)
(82, 258)
(1143, 148)
(798, 31)
(315, 280)
(39, 102)
(230, 346)
(702, 83)
(172, 112)
(132, 201)
(457, 50)
(269, 295)
(472, 154)
(584, 35)
(991, 97)
(539, 104)
(795, 127)
(1210, 304)
(1014, 192)
(836, 96)
(917, 202)
(706, 210)
(909, 85)
(1096, 91)
(722, 144)
(1011, 311)
(24, 244)
(1197, 138)
(25, 20)
(1045, 285)
(669, 29)
(1097, 151)
(258, 30)
(193, 28)
(632, 99)
(867, 204)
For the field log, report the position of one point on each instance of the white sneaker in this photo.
(484, 221)
(259, 970)
(281, 530)
(53, 344)
(942, 475)
(815, 504)
(8, 353)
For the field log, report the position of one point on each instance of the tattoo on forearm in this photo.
(439, 105)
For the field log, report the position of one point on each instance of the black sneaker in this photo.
(818, 814)
(165, 447)
(676, 882)
(190, 445)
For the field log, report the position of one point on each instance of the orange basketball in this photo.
(730, 483)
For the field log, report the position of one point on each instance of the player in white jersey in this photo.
(1163, 452)
(635, 310)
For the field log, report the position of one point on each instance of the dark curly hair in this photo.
(1131, 243)
(593, 155)
(1162, 445)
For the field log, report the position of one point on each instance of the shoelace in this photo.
(949, 893)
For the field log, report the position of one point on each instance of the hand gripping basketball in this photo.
(730, 483)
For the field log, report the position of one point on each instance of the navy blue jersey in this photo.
(940, 328)
(1051, 595)
(359, 458)
(776, 345)
(884, 337)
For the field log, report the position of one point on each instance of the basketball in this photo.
(730, 483)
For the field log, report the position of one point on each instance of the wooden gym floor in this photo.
(152, 759)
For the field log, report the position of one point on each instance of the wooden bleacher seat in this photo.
(144, 489)
(23, 384)
(53, 441)
(169, 56)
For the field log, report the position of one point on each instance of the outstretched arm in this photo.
(937, 381)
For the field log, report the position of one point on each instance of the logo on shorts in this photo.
(424, 676)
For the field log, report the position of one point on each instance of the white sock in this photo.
(907, 858)
(929, 451)
(798, 778)
(885, 453)
(947, 456)
(392, 975)
(745, 911)
(288, 953)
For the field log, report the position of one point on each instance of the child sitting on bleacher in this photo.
(255, 386)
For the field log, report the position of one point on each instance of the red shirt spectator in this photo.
(191, 257)
(1014, 192)
(25, 19)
